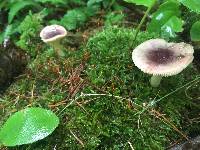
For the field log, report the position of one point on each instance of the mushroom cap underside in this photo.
(52, 33)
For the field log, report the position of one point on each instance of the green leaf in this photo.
(113, 18)
(6, 33)
(92, 2)
(195, 31)
(173, 25)
(73, 19)
(3, 4)
(16, 7)
(1, 37)
(147, 3)
(52, 1)
(9, 31)
(166, 19)
(27, 126)
(194, 5)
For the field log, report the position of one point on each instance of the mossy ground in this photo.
(103, 100)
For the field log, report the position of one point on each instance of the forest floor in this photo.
(102, 99)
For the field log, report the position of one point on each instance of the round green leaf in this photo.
(166, 20)
(194, 5)
(195, 31)
(27, 126)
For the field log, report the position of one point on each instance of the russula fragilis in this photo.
(160, 58)
(53, 34)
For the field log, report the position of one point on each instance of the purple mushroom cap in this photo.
(158, 57)
(52, 33)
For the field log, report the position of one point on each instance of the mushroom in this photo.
(160, 58)
(53, 34)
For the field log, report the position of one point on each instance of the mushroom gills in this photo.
(52, 34)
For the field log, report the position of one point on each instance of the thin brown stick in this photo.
(76, 138)
(166, 121)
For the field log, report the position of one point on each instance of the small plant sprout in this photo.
(53, 34)
(160, 58)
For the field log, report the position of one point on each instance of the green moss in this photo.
(29, 30)
(111, 55)
(108, 112)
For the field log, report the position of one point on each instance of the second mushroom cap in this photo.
(52, 33)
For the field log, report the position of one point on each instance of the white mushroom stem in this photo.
(155, 80)
(58, 47)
